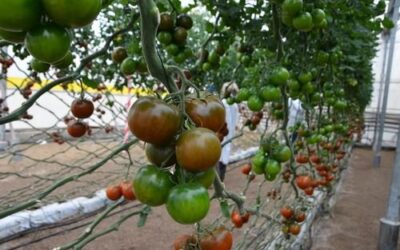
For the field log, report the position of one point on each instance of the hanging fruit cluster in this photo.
(292, 220)
(173, 34)
(44, 27)
(295, 15)
(182, 158)
(269, 158)
(81, 109)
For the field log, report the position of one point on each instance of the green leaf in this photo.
(143, 216)
(224, 208)
(90, 83)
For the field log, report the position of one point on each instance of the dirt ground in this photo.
(362, 201)
(354, 225)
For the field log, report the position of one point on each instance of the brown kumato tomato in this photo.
(81, 108)
(206, 113)
(76, 129)
(162, 156)
(153, 121)
(218, 239)
(198, 149)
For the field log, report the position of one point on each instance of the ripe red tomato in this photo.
(246, 217)
(246, 169)
(219, 239)
(114, 192)
(300, 217)
(208, 112)
(315, 159)
(127, 190)
(236, 219)
(198, 149)
(301, 159)
(287, 212)
(76, 129)
(182, 242)
(82, 108)
(309, 190)
(153, 121)
(303, 181)
(294, 229)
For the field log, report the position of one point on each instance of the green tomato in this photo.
(180, 58)
(65, 62)
(322, 57)
(271, 94)
(188, 203)
(152, 185)
(340, 105)
(258, 162)
(39, 66)
(188, 52)
(48, 43)
(20, 15)
(230, 100)
(287, 19)
(72, 13)
(292, 7)
(129, 66)
(305, 77)
(205, 178)
(14, 37)
(293, 85)
(279, 76)
(272, 168)
(282, 154)
(164, 37)
(255, 103)
(314, 139)
(318, 16)
(206, 66)
(213, 58)
(243, 95)
(304, 22)
(172, 49)
(322, 25)
(270, 177)
(308, 88)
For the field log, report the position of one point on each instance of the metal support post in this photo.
(390, 224)
(392, 44)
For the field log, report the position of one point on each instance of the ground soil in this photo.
(354, 223)
(354, 220)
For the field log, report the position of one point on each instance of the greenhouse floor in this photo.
(361, 202)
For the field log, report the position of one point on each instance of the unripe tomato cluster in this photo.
(269, 157)
(211, 60)
(182, 161)
(294, 15)
(130, 63)
(292, 220)
(44, 27)
(173, 35)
